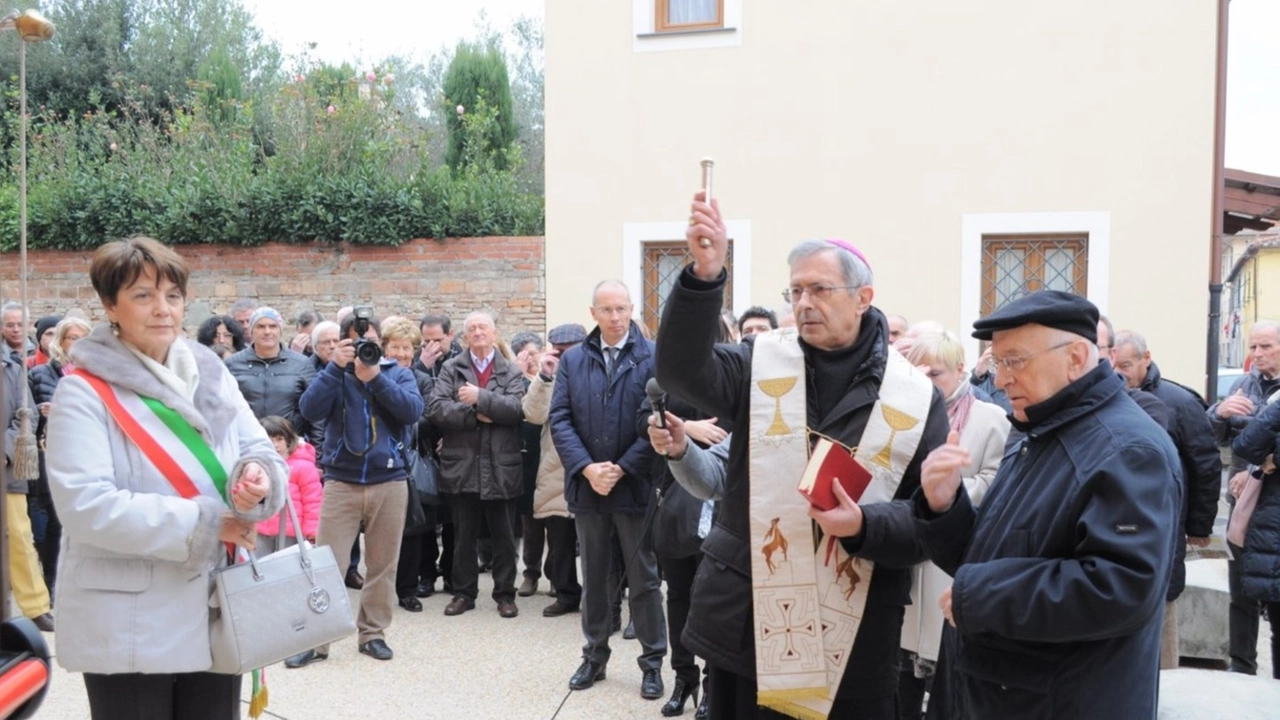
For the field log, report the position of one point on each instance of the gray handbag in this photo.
(271, 608)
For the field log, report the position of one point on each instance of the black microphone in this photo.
(657, 399)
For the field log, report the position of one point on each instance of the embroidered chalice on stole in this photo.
(776, 388)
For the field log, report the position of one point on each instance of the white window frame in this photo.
(974, 227)
(634, 235)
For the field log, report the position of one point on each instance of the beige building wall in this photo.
(907, 128)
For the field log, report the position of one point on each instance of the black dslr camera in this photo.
(368, 352)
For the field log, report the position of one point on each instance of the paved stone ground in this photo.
(478, 665)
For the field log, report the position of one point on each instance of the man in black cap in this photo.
(549, 507)
(1060, 578)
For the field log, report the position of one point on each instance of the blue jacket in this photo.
(364, 424)
(1060, 576)
(593, 419)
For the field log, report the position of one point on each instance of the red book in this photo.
(830, 463)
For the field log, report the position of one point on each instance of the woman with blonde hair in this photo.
(401, 340)
(982, 429)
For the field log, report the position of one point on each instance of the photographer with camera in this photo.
(368, 403)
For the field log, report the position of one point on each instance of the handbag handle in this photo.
(304, 547)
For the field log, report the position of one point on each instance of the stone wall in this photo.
(503, 275)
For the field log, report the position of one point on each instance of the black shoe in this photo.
(377, 649)
(411, 603)
(426, 588)
(588, 674)
(679, 695)
(507, 609)
(304, 658)
(44, 622)
(558, 608)
(354, 581)
(651, 685)
(630, 632)
(704, 709)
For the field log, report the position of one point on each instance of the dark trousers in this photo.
(733, 697)
(185, 696)
(1242, 620)
(641, 570)
(408, 563)
(437, 549)
(467, 510)
(533, 541)
(679, 573)
(354, 566)
(911, 689)
(617, 579)
(562, 562)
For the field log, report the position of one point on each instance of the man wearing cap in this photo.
(793, 624)
(1060, 578)
(272, 377)
(549, 506)
(44, 335)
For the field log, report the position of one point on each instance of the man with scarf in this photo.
(826, 643)
(1060, 576)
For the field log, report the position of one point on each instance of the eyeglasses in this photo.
(615, 310)
(1015, 363)
(1104, 348)
(816, 292)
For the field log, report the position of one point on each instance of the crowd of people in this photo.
(1017, 547)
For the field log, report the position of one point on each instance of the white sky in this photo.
(368, 30)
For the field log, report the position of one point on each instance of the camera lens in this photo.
(368, 352)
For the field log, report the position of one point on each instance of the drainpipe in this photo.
(1219, 192)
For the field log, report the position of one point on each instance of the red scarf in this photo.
(959, 404)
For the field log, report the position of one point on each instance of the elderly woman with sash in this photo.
(793, 624)
(159, 472)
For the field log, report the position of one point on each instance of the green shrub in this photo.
(347, 164)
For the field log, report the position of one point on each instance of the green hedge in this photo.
(355, 172)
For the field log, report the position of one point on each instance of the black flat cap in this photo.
(45, 323)
(1051, 308)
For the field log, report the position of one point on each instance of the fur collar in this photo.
(102, 354)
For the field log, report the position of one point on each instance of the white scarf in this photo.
(178, 373)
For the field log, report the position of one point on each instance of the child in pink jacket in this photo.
(304, 488)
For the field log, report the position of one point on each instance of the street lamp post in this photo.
(31, 27)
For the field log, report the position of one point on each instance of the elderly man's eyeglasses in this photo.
(1014, 363)
(794, 293)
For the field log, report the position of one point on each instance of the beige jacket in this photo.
(984, 437)
(548, 494)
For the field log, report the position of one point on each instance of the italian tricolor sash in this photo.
(808, 593)
(165, 438)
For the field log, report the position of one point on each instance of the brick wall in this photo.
(503, 275)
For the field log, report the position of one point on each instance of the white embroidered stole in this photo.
(809, 599)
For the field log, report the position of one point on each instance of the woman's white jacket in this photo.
(134, 575)
(984, 437)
